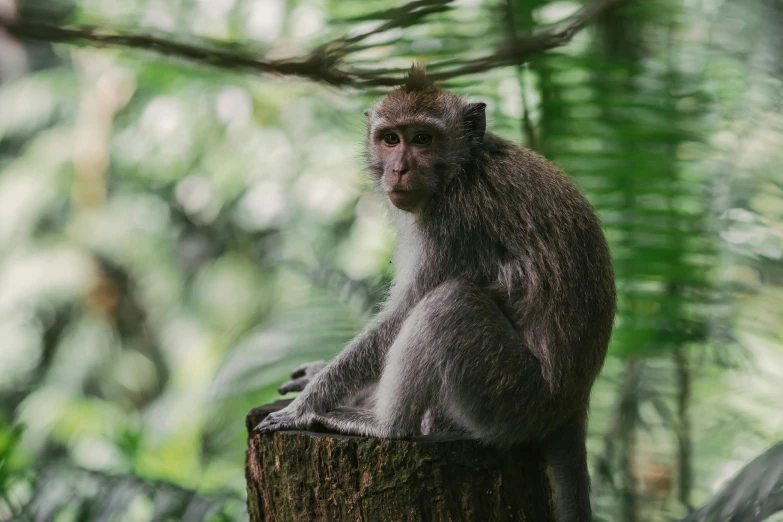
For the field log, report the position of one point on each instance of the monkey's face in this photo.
(404, 159)
(418, 140)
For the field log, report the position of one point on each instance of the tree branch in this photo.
(325, 64)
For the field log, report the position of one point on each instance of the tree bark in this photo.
(309, 476)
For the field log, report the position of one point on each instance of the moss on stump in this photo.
(297, 476)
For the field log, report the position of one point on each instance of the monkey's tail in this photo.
(566, 456)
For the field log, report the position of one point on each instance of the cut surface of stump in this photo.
(298, 476)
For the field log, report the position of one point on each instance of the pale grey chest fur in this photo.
(408, 259)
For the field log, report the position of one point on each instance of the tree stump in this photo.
(296, 476)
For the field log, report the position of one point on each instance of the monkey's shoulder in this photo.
(507, 161)
(521, 183)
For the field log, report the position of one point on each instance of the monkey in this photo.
(500, 314)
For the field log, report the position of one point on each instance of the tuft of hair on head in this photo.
(417, 80)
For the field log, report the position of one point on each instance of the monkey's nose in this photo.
(401, 172)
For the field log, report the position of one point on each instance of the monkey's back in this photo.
(538, 244)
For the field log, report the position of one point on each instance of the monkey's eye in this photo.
(422, 138)
(391, 139)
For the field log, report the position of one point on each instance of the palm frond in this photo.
(754, 494)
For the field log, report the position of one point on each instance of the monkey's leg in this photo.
(456, 352)
(412, 374)
(458, 356)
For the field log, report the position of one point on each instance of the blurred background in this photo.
(176, 237)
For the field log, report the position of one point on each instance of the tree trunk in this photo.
(307, 477)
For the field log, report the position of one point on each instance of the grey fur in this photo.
(500, 315)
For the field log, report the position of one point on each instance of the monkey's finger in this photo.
(301, 370)
(271, 423)
(294, 385)
(264, 427)
(310, 368)
(275, 425)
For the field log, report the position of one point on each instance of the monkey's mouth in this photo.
(404, 199)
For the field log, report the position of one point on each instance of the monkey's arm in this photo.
(357, 366)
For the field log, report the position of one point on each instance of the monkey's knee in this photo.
(411, 376)
(403, 395)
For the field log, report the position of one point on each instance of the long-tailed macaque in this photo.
(500, 314)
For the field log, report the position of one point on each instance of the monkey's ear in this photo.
(476, 121)
(366, 113)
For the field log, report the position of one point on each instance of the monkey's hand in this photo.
(301, 377)
(292, 417)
